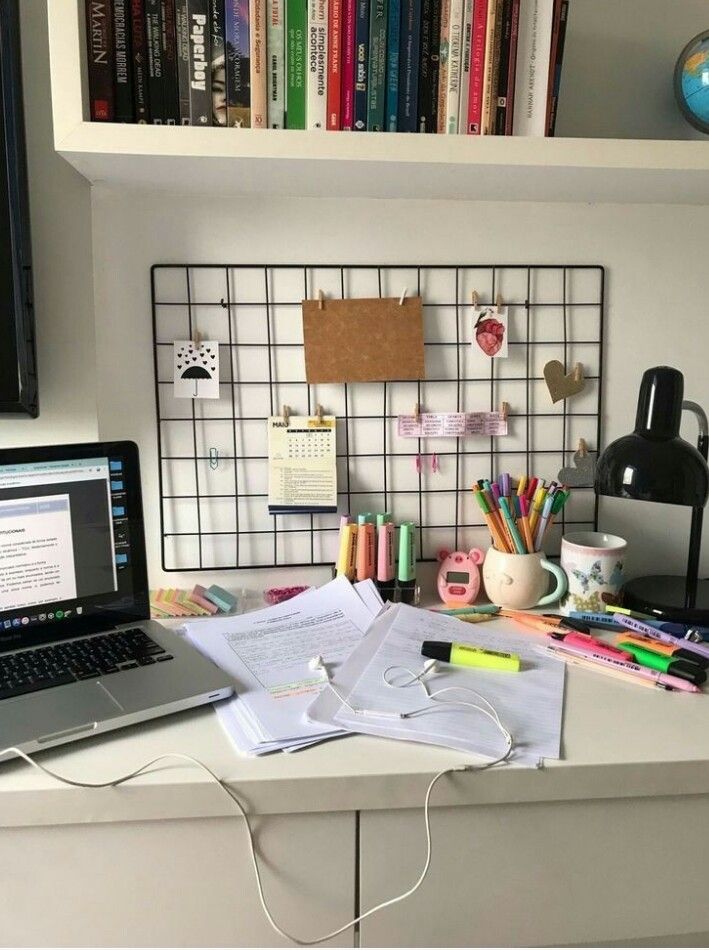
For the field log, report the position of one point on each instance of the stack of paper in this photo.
(268, 653)
(529, 703)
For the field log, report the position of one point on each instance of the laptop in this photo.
(79, 655)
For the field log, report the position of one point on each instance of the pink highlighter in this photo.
(365, 551)
(584, 641)
(386, 570)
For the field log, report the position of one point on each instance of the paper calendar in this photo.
(302, 466)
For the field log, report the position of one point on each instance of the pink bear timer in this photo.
(459, 576)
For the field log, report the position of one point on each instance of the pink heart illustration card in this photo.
(489, 336)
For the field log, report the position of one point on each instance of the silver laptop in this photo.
(78, 653)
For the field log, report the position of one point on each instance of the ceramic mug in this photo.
(593, 561)
(521, 581)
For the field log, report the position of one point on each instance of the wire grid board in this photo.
(215, 516)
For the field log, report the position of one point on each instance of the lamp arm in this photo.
(701, 417)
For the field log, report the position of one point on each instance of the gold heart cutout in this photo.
(560, 384)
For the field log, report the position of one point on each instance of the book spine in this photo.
(139, 51)
(316, 112)
(257, 56)
(477, 67)
(155, 76)
(555, 79)
(392, 65)
(455, 51)
(502, 101)
(361, 64)
(123, 78)
(376, 79)
(334, 66)
(490, 41)
(428, 65)
(296, 39)
(275, 10)
(238, 71)
(183, 60)
(99, 42)
(533, 48)
(200, 63)
(407, 120)
(444, 36)
(168, 40)
(465, 67)
(218, 61)
(512, 69)
(349, 16)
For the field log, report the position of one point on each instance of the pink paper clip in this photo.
(435, 464)
(417, 464)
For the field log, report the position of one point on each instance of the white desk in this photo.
(601, 847)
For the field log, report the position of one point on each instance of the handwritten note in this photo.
(431, 425)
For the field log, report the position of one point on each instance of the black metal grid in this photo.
(216, 517)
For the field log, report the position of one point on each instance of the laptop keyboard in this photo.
(62, 663)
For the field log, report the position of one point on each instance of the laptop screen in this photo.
(71, 541)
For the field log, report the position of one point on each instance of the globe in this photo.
(692, 81)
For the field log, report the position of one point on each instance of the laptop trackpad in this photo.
(47, 715)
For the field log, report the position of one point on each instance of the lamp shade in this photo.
(654, 463)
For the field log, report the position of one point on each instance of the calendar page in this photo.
(302, 465)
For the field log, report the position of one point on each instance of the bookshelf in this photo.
(340, 164)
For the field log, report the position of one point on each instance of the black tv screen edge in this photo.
(18, 374)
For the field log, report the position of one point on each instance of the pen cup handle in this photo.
(561, 583)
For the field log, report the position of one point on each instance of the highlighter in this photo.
(367, 517)
(664, 649)
(406, 573)
(386, 570)
(384, 517)
(462, 654)
(365, 551)
(347, 557)
(665, 664)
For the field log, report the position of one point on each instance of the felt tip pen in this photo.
(477, 609)
(592, 645)
(463, 654)
(685, 669)
(664, 679)
(665, 649)
(406, 572)
(365, 551)
(386, 569)
(605, 621)
(347, 556)
(629, 623)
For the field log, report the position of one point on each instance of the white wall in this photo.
(655, 256)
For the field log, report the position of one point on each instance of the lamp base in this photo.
(662, 596)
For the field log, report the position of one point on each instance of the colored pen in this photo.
(533, 621)
(665, 679)
(686, 669)
(604, 670)
(365, 551)
(592, 645)
(386, 569)
(477, 609)
(512, 527)
(463, 654)
(605, 621)
(568, 622)
(406, 573)
(639, 627)
(680, 630)
(347, 556)
(665, 649)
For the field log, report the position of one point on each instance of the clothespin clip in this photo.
(286, 414)
(476, 299)
(196, 339)
(582, 450)
(504, 411)
(319, 414)
(499, 302)
(417, 413)
(402, 298)
(321, 299)
(578, 372)
(214, 459)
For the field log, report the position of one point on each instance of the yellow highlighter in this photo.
(463, 654)
(347, 557)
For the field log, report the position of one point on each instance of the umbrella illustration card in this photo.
(196, 369)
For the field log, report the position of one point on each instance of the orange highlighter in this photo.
(365, 551)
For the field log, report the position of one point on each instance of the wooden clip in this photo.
(578, 372)
(476, 299)
(196, 339)
(499, 302)
(504, 411)
(417, 413)
(582, 450)
(402, 298)
(321, 299)
(319, 414)
(286, 414)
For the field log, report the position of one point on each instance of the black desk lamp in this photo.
(655, 464)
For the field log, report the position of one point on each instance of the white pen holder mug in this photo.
(521, 581)
(593, 561)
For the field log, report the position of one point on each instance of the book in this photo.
(200, 63)
(153, 32)
(183, 60)
(492, 54)
(391, 105)
(334, 65)
(466, 61)
(443, 66)
(349, 16)
(168, 41)
(455, 61)
(499, 106)
(429, 65)
(276, 46)
(478, 44)
(258, 64)
(123, 71)
(376, 77)
(296, 38)
(217, 51)
(238, 70)
(533, 54)
(556, 60)
(512, 70)
(361, 64)
(139, 56)
(99, 42)
(316, 85)
(410, 51)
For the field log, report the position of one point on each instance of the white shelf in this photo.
(380, 165)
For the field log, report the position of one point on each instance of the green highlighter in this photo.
(685, 669)
(406, 568)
